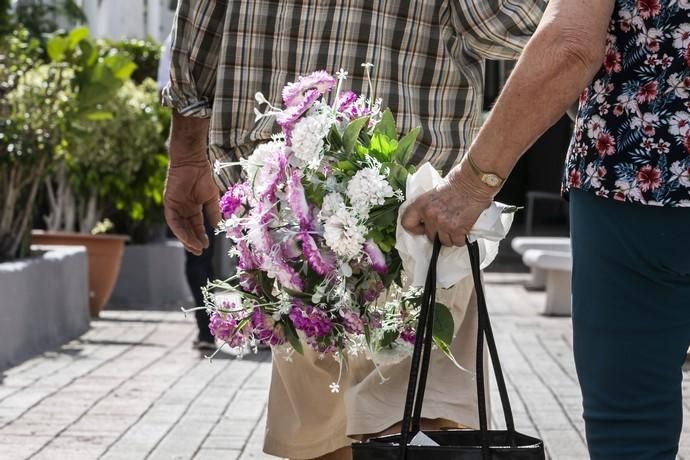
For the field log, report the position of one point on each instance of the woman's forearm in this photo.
(559, 62)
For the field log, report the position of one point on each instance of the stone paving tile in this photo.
(132, 388)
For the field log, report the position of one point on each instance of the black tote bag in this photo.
(482, 444)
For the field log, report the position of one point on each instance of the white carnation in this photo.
(331, 204)
(368, 188)
(344, 234)
(259, 157)
(308, 138)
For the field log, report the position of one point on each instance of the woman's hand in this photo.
(451, 209)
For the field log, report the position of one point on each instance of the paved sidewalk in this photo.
(132, 388)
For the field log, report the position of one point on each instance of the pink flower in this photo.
(287, 118)
(266, 330)
(648, 8)
(312, 321)
(612, 62)
(649, 178)
(345, 101)
(647, 92)
(297, 199)
(352, 322)
(377, 260)
(233, 199)
(224, 328)
(605, 144)
(294, 94)
(321, 263)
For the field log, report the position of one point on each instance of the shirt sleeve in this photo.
(497, 29)
(196, 40)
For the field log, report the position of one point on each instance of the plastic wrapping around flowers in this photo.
(313, 229)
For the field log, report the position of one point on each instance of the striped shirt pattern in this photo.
(428, 56)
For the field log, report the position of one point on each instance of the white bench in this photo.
(554, 244)
(557, 267)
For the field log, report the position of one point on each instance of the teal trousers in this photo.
(631, 324)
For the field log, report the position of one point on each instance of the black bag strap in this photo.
(421, 358)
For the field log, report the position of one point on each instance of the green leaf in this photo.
(403, 153)
(334, 139)
(444, 326)
(382, 147)
(120, 65)
(98, 115)
(388, 338)
(56, 48)
(352, 133)
(387, 125)
(292, 337)
(76, 35)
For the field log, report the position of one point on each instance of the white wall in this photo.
(119, 19)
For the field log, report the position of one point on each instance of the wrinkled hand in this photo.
(449, 211)
(189, 189)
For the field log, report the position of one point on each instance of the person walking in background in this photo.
(628, 181)
(428, 59)
(198, 268)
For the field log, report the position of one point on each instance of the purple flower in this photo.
(295, 93)
(352, 323)
(286, 275)
(287, 118)
(408, 335)
(312, 321)
(232, 199)
(345, 101)
(266, 330)
(271, 175)
(297, 199)
(372, 290)
(375, 320)
(377, 260)
(224, 328)
(322, 264)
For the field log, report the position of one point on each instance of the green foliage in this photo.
(123, 159)
(146, 54)
(38, 16)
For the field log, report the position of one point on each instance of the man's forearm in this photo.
(188, 140)
(552, 72)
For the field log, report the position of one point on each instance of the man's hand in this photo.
(189, 186)
(189, 189)
(450, 210)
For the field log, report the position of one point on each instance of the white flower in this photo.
(595, 174)
(331, 204)
(680, 173)
(594, 126)
(308, 138)
(257, 160)
(368, 188)
(335, 388)
(684, 4)
(344, 234)
(679, 124)
(600, 91)
(681, 37)
(677, 84)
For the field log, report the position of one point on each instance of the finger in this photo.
(198, 230)
(182, 230)
(212, 209)
(458, 239)
(445, 238)
(412, 221)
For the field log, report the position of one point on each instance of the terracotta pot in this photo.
(105, 255)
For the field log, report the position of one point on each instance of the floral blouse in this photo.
(632, 134)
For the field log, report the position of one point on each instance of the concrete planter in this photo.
(152, 277)
(44, 302)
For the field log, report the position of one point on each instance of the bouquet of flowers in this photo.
(313, 230)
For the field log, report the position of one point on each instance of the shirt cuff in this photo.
(184, 104)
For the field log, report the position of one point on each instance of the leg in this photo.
(631, 327)
(199, 270)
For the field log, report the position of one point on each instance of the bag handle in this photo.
(421, 358)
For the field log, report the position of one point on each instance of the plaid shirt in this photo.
(428, 57)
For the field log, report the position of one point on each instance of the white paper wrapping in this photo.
(454, 263)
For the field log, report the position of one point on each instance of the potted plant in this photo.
(87, 157)
(35, 98)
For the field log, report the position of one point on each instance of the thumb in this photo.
(412, 220)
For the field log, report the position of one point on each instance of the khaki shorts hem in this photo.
(304, 451)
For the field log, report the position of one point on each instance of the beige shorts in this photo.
(307, 420)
